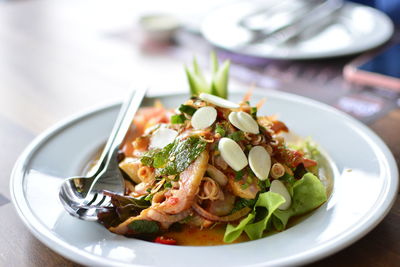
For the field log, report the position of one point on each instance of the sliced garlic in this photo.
(204, 117)
(248, 122)
(218, 101)
(232, 154)
(234, 120)
(162, 137)
(260, 162)
(279, 188)
(243, 121)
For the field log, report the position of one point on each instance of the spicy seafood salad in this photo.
(212, 163)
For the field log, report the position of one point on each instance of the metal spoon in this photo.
(83, 201)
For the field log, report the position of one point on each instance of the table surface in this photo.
(52, 66)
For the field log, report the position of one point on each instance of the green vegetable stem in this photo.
(219, 79)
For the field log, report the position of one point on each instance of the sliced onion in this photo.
(229, 218)
(217, 175)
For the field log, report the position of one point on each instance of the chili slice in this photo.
(165, 240)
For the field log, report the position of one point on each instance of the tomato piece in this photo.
(278, 126)
(309, 162)
(127, 149)
(165, 240)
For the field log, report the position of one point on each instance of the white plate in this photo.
(358, 28)
(360, 200)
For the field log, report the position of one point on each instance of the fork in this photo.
(315, 16)
(82, 196)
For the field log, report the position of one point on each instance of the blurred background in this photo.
(59, 57)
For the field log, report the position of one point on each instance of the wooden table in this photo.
(55, 61)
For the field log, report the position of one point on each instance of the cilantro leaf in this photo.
(253, 112)
(187, 109)
(220, 130)
(144, 227)
(178, 119)
(236, 136)
(239, 175)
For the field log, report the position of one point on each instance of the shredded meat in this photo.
(189, 182)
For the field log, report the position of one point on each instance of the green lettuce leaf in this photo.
(268, 200)
(233, 232)
(271, 201)
(308, 193)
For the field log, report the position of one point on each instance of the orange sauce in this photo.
(192, 236)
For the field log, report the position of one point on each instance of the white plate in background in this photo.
(358, 28)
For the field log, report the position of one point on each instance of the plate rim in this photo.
(340, 53)
(64, 248)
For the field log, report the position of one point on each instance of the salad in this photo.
(212, 164)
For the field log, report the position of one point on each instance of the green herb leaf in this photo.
(178, 119)
(242, 203)
(144, 227)
(220, 130)
(187, 109)
(168, 185)
(239, 175)
(236, 136)
(161, 158)
(146, 161)
(289, 179)
(253, 112)
(183, 153)
(149, 197)
(177, 156)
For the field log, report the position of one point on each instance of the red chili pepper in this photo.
(220, 114)
(165, 240)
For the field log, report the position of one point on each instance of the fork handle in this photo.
(121, 126)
